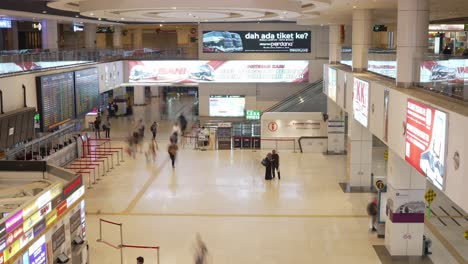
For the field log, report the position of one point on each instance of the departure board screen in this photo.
(56, 102)
(86, 90)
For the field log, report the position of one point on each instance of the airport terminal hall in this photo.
(233, 132)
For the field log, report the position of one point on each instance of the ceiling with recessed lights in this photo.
(189, 11)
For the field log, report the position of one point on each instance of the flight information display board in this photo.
(56, 100)
(86, 90)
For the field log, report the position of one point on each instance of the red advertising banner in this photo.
(426, 130)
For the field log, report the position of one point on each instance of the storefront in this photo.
(454, 36)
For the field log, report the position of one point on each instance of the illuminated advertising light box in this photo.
(75, 196)
(361, 101)
(256, 41)
(2, 244)
(37, 252)
(11, 250)
(233, 71)
(227, 105)
(14, 221)
(332, 83)
(2, 230)
(426, 141)
(452, 70)
(5, 23)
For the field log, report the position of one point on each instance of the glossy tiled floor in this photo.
(221, 195)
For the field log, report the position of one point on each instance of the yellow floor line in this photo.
(459, 258)
(145, 187)
(229, 215)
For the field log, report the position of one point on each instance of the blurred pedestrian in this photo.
(97, 127)
(172, 150)
(372, 211)
(154, 129)
(107, 127)
(201, 251)
(267, 163)
(275, 164)
(152, 150)
(140, 260)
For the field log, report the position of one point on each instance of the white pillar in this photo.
(139, 95)
(154, 91)
(362, 30)
(117, 37)
(334, 38)
(336, 128)
(406, 188)
(137, 38)
(90, 36)
(359, 154)
(49, 34)
(412, 41)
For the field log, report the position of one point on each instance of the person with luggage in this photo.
(275, 164)
(172, 150)
(268, 164)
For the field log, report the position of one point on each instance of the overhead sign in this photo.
(233, 71)
(78, 27)
(253, 114)
(256, 41)
(332, 83)
(426, 140)
(37, 26)
(361, 101)
(380, 185)
(5, 23)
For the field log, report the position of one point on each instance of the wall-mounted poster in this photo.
(227, 105)
(233, 71)
(361, 101)
(426, 141)
(256, 41)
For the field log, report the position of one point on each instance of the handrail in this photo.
(301, 138)
(309, 87)
(299, 99)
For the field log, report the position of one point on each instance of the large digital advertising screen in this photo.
(227, 105)
(361, 101)
(86, 90)
(233, 71)
(453, 70)
(332, 83)
(56, 99)
(426, 139)
(256, 41)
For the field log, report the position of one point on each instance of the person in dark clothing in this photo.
(182, 123)
(372, 211)
(97, 128)
(116, 108)
(154, 129)
(172, 150)
(275, 164)
(447, 50)
(140, 260)
(267, 163)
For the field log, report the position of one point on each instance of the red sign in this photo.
(61, 208)
(72, 186)
(14, 235)
(272, 126)
(426, 130)
(2, 260)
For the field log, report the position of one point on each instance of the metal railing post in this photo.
(121, 244)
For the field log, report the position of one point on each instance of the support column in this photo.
(138, 38)
(117, 38)
(14, 28)
(139, 95)
(404, 229)
(359, 155)
(90, 36)
(49, 34)
(362, 30)
(154, 91)
(336, 129)
(412, 41)
(334, 39)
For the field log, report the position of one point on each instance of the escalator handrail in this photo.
(287, 105)
(308, 87)
(316, 137)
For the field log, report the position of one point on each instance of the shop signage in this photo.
(43, 199)
(75, 221)
(447, 27)
(2, 259)
(50, 218)
(2, 229)
(232, 71)
(74, 197)
(361, 101)
(426, 141)
(11, 250)
(29, 210)
(35, 218)
(26, 238)
(14, 221)
(253, 114)
(37, 252)
(37, 26)
(13, 236)
(4, 23)
(61, 208)
(2, 244)
(78, 28)
(256, 41)
(39, 227)
(71, 187)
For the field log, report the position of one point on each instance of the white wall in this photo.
(319, 41)
(111, 75)
(13, 93)
(455, 180)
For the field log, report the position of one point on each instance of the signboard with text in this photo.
(256, 41)
(361, 101)
(253, 114)
(232, 71)
(426, 140)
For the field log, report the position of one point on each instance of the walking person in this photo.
(97, 127)
(372, 211)
(275, 164)
(268, 164)
(154, 129)
(107, 127)
(172, 150)
(201, 251)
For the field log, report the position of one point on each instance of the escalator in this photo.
(309, 99)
